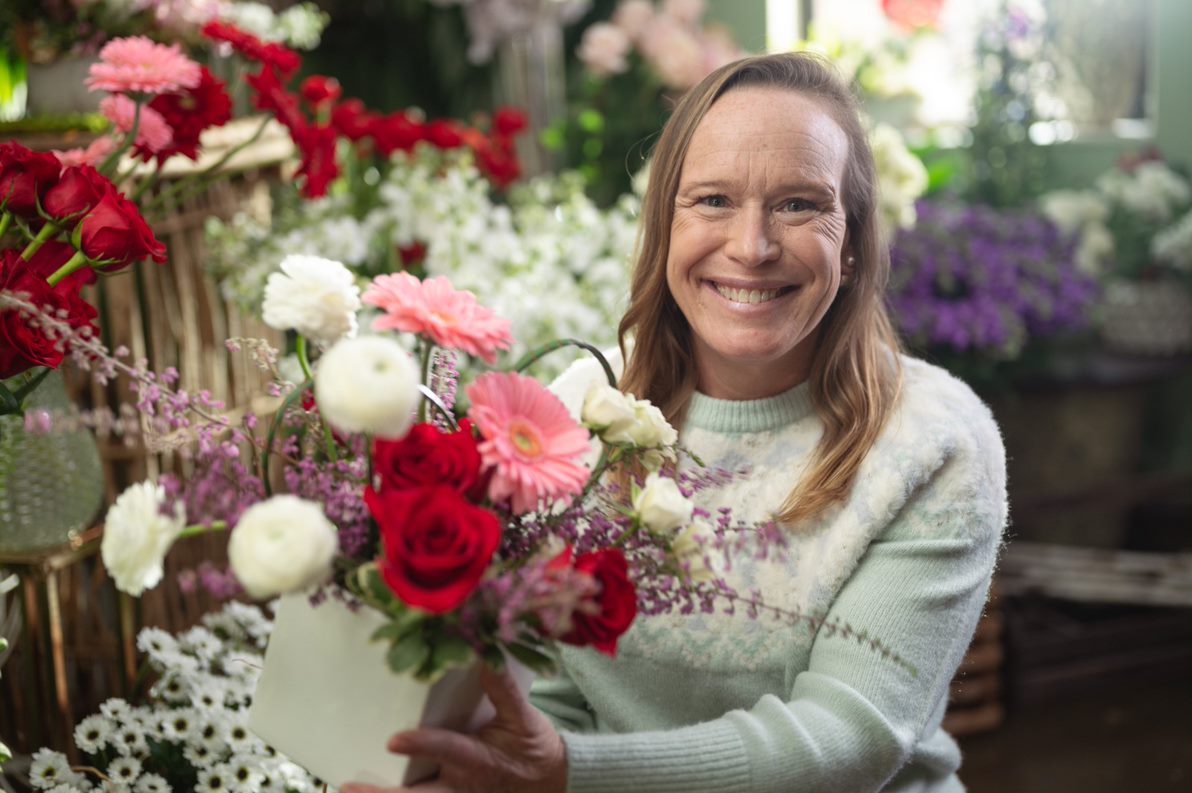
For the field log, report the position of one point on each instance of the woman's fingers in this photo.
(502, 690)
(443, 746)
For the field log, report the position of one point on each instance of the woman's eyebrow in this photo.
(797, 186)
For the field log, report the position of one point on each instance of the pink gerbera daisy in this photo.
(137, 63)
(450, 317)
(152, 130)
(531, 442)
(93, 155)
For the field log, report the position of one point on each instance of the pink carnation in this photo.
(137, 63)
(451, 318)
(531, 442)
(152, 130)
(93, 155)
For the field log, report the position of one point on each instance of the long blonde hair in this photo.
(855, 376)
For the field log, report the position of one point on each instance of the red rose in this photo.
(444, 134)
(77, 192)
(428, 456)
(435, 546)
(318, 167)
(318, 90)
(24, 176)
(272, 54)
(508, 121)
(189, 113)
(272, 95)
(396, 132)
(497, 160)
(24, 344)
(413, 253)
(617, 601)
(353, 120)
(115, 232)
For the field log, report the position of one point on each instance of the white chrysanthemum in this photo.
(370, 385)
(280, 545)
(212, 732)
(124, 771)
(215, 779)
(50, 769)
(246, 772)
(200, 642)
(117, 709)
(173, 687)
(65, 788)
(241, 739)
(148, 720)
(129, 739)
(211, 694)
(180, 725)
(316, 297)
(152, 783)
(93, 733)
(155, 641)
(137, 536)
(201, 755)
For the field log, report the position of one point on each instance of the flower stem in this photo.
(5, 222)
(203, 528)
(113, 159)
(558, 344)
(76, 262)
(199, 180)
(427, 351)
(48, 231)
(304, 362)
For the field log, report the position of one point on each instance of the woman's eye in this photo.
(714, 201)
(796, 205)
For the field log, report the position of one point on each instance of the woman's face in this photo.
(758, 238)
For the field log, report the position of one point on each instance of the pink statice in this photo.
(93, 155)
(449, 317)
(152, 130)
(532, 444)
(139, 64)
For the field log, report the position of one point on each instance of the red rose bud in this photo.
(318, 90)
(413, 253)
(509, 121)
(428, 456)
(24, 176)
(435, 545)
(444, 134)
(77, 192)
(114, 233)
(616, 602)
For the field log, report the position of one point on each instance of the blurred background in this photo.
(1034, 159)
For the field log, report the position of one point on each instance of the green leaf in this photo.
(409, 652)
(532, 657)
(9, 404)
(450, 651)
(403, 623)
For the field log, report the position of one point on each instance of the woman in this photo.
(758, 325)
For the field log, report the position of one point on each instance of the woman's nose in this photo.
(751, 238)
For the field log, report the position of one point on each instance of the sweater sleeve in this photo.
(852, 718)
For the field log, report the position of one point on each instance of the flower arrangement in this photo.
(192, 733)
(1135, 223)
(975, 285)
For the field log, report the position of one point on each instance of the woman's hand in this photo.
(519, 751)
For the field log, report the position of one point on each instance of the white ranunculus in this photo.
(650, 428)
(285, 544)
(369, 384)
(608, 410)
(137, 536)
(661, 506)
(316, 297)
(690, 550)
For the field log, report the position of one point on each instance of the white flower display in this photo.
(316, 297)
(1173, 245)
(280, 545)
(50, 769)
(93, 733)
(609, 412)
(661, 506)
(368, 384)
(299, 26)
(902, 178)
(137, 535)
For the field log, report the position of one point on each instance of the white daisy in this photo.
(200, 642)
(211, 694)
(216, 779)
(173, 687)
(64, 789)
(124, 771)
(179, 725)
(152, 783)
(201, 755)
(246, 773)
(129, 739)
(153, 641)
(241, 740)
(93, 733)
(50, 769)
(116, 709)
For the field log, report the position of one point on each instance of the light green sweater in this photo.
(728, 704)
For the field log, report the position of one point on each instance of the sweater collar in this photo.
(750, 415)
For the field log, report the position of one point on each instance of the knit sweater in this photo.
(729, 704)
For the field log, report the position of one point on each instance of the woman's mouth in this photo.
(750, 296)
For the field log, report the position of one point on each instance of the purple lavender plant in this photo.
(985, 282)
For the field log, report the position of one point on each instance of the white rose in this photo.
(137, 535)
(603, 49)
(690, 551)
(650, 428)
(284, 544)
(661, 506)
(316, 297)
(608, 411)
(369, 384)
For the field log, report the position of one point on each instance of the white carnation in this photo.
(660, 505)
(137, 536)
(316, 297)
(284, 544)
(368, 385)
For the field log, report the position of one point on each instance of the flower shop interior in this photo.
(1035, 167)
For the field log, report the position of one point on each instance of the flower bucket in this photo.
(327, 699)
(1147, 317)
(59, 88)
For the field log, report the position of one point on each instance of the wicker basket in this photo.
(1147, 317)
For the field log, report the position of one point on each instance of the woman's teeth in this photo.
(747, 295)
